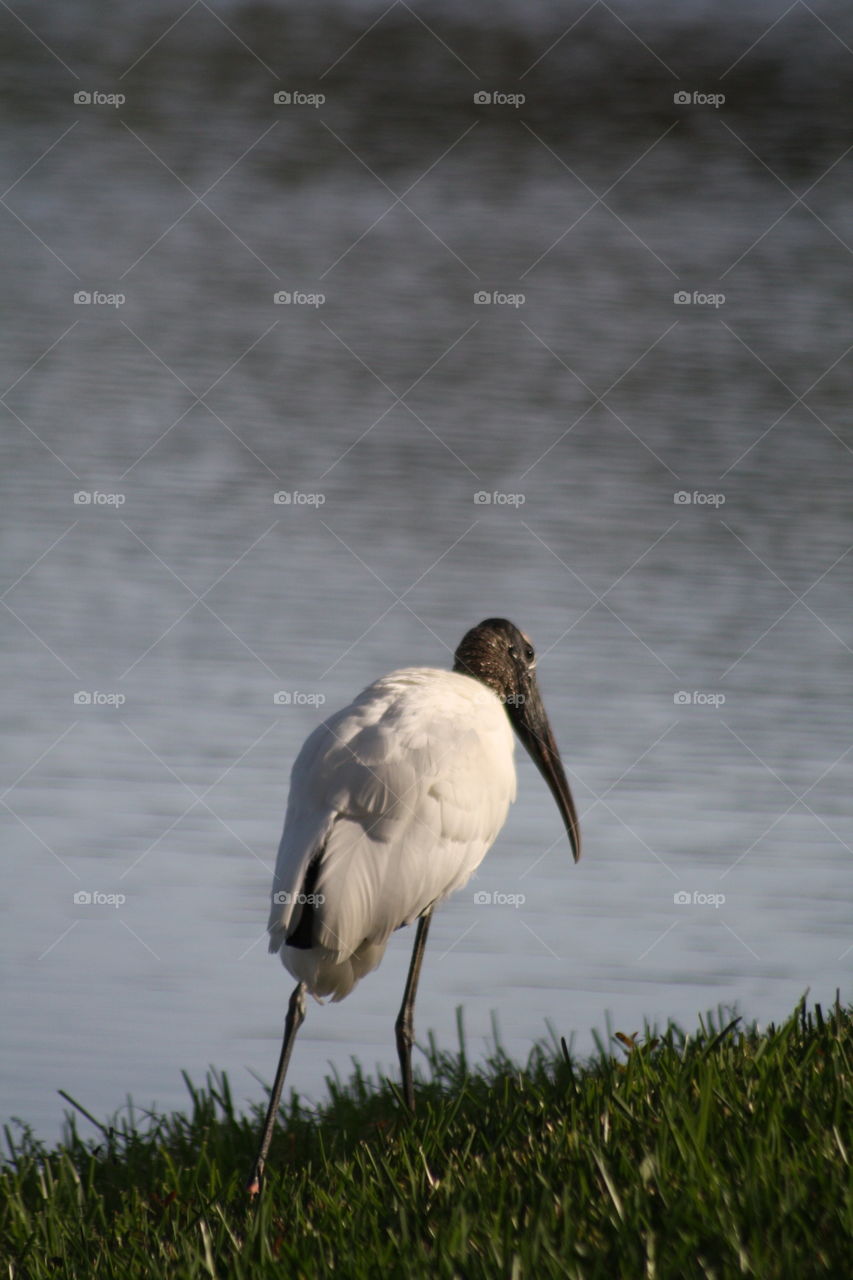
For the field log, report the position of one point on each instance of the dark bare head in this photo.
(501, 657)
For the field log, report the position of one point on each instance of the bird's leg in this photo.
(404, 1025)
(292, 1023)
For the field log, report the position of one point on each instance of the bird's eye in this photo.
(529, 654)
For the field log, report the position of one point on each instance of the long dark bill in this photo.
(530, 722)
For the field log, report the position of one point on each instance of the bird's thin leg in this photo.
(292, 1023)
(405, 1026)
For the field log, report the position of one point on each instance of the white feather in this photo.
(400, 795)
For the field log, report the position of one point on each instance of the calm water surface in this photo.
(694, 655)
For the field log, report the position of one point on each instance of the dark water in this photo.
(581, 412)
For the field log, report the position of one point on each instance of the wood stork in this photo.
(394, 802)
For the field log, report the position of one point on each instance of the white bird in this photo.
(394, 802)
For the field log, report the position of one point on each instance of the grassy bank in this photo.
(722, 1153)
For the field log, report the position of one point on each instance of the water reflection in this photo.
(397, 400)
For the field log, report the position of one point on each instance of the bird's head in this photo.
(501, 657)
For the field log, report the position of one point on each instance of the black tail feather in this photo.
(302, 935)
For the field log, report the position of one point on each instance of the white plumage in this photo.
(399, 796)
(394, 802)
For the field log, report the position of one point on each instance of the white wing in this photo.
(397, 798)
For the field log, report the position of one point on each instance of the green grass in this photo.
(722, 1153)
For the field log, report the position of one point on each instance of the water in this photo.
(586, 408)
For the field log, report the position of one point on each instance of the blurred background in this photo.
(331, 330)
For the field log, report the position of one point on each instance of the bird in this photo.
(394, 802)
